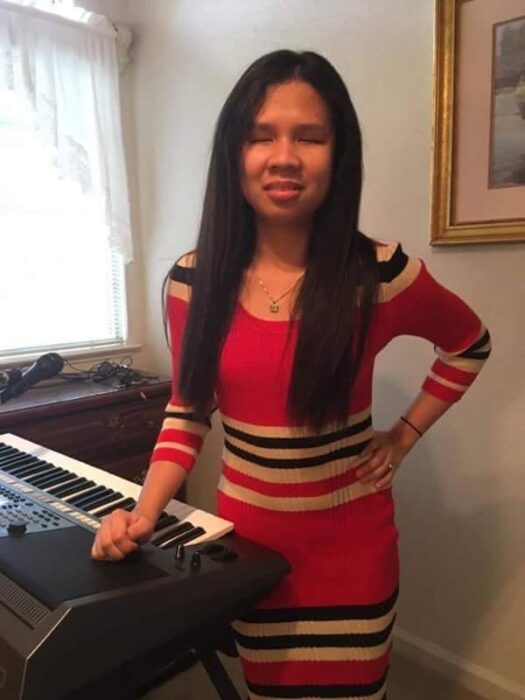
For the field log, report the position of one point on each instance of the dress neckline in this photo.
(278, 326)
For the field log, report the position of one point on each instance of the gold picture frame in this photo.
(446, 227)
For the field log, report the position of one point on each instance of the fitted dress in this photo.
(326, 630)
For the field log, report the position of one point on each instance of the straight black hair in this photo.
(336, 300)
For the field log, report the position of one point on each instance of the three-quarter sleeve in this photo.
(182, 433)
(420, 306)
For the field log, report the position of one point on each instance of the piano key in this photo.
(52, 471)
(164, 521)
(171, 532)
(18, 462)
(72, 487)
(21, 470)
(59, 481)
(110, 498)
(93, 498)
(73, 499)
(120, 504)
(185, 538)
(59, 477)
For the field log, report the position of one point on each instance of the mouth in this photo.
(283, 191)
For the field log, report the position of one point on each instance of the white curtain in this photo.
(66, 62)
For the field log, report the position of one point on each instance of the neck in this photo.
(283, 246)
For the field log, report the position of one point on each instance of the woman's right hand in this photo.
(121, 533)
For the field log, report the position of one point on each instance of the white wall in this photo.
(459, 495)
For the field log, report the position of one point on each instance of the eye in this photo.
(311, 140)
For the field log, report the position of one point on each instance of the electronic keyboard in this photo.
(67, 620)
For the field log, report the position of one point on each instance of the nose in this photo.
(284, 153)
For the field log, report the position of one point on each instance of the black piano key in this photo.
(10, 452)
(54, 471)
(109, 498)
(59, 481)
(82, 501)
(184, 538)
(71, 487)
(35, 477)
(18, 462)
(21, 471)
(6, 449)
(73, 500)
(164, 521)
(46, 481)
(129, 502)
(164, 535)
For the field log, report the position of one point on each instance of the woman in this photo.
(278, 316)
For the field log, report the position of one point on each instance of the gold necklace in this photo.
(274, 306)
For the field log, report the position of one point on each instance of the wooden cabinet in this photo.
(102, 424)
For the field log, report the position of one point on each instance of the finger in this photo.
(380, 468)
(107, 547)
(374, 467)
(386, 480)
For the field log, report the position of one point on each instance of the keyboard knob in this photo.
(195, 560)
(179, 552)
(17, 528)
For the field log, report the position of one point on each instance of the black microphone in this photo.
(47, 366)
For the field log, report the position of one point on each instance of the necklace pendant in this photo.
(274, 307)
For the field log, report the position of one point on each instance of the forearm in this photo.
(162, 482)
(422, 413)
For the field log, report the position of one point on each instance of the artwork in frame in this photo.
(479, 132)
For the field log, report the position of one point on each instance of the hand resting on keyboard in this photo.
(120, 534)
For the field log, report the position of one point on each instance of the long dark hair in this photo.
(336, 300)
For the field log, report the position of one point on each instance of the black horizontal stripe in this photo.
(287, 641)
(390, 269)
(298, 463)
(469, 355)
(293, 443)
(333, 612)
(182, 274)
(343, 691)
(183, 415)
(479, 343)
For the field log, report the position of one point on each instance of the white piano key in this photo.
(213, 525)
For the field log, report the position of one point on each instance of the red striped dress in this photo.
(326, 630)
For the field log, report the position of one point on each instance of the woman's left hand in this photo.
(380, 459)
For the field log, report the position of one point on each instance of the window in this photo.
(60, 283)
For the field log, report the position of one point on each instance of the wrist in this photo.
(405, 436)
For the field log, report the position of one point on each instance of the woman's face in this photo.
(286, 162)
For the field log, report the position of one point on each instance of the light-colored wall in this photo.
(459, 494)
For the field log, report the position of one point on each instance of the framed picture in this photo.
(479, 133)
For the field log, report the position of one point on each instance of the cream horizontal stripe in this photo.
(463, 363)
(389, 290)
(446, 382)
(190, 426)
(178, 408)
(287, 475)
(285, 431)
(375, 696)
(298, 503)
(270, 629)
(315, 653)
(301, 452)
(177, 446)
(179, 290)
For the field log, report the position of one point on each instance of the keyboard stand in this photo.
(217, 675)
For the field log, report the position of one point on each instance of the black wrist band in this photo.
(412, 426)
